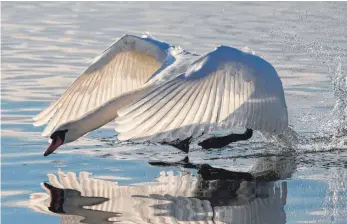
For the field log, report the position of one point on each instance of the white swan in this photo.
(159, 92)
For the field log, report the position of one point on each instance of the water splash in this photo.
(339, 87)
(332, 133)
(335, 204)
(287, 140)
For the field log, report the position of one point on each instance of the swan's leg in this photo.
(181, 145)
(220, 142)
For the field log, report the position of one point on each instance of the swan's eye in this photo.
(60, 134)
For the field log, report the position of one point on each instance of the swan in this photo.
(161, 93)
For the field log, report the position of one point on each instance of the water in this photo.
(45, 45)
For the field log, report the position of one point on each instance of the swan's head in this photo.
(57, 139)
(62, 135)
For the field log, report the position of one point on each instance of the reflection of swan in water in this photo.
(181, 198)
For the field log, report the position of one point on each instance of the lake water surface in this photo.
(44, 46)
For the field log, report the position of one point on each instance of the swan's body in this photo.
(159, 92)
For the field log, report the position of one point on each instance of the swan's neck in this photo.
(106, 112)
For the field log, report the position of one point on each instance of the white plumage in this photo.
(226, 88)
(124, 66)
(159, 92)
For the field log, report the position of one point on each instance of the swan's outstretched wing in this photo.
(224, 89)
(124, 66)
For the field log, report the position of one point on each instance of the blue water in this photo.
(44, 46)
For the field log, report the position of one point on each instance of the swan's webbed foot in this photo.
(220, 142)
(181, 145)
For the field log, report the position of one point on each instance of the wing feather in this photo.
(141, 106)
(59, 113)
(83, 103)
(199, 119)
(198, 110)
(207, 110)
(123, 67)
(143, 122)
(183, 114)
(169, 108)
(219, 98)
(226, 88)
(225, 98)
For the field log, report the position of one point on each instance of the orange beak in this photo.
(53, 146)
